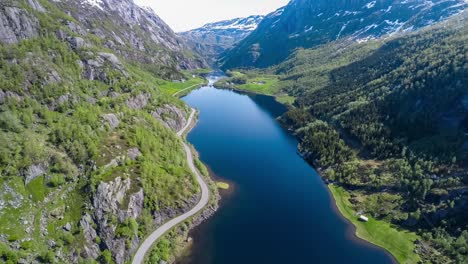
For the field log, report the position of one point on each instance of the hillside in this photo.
(387, 121)
(214, 38)
(308, 23)
(89, 159)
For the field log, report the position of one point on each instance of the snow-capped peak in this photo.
(95, 3)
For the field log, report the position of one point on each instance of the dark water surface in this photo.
(280, 210)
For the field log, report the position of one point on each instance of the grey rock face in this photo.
(138, 102)
(77, 43)
(133, 153)
(153, 40)
(35, 171)
(91, 249)
(171, 116)
(112, 120)
(109, 201)
(16, 24)
(214, 38)
(8, 94)
(67, 227)
(36, 6)
(95, 69)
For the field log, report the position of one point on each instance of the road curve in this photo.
(151, 239)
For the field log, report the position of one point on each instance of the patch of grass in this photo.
(261, 83)
(170, 87)
(399, 243)
(37, 189)
(222, 185)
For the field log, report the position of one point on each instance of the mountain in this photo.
(385, 122)
(131, 31)
(213, 39)
(90, 162)
(308, 23)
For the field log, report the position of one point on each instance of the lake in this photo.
(279, 210)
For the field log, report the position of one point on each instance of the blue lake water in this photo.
(279, 210)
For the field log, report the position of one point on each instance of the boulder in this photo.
(77, 43)
(67, 227)
(133, 153)
(112, 120)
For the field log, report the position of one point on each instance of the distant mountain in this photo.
(308, 23)
(214, 38)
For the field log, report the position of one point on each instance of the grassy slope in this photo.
(399, 243)
(267, 84)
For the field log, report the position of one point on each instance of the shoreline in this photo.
(202, 210)
(352, 232)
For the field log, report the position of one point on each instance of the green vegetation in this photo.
(399, 243)
(222, 185)
(172, 87)
(387, 121)
(255, 82)
(63, 134)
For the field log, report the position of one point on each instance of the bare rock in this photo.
(35, 171)
(109, 202)
(77, 43)
(95, 69)
(75, 28)
(8, 94)
(133, 153)
(67, 227)
(171, 116)
(91, 249)
(112, 120)
(36, 6)
(138, 102)
(16, 24)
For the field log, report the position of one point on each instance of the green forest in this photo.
(387, 120)
(63, 135)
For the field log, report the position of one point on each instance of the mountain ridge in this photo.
(214, 38)
(307, 23)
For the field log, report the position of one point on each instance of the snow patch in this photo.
(308, 29)
(370, 4)
(94, 3)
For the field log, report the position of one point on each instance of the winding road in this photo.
(151, 239)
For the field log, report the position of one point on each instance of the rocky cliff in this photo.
(214, 38)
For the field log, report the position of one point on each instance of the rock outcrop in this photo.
(16, 24)
(110, 203)
(98, 67)
(171, 116)
(112, 120)
(138, 102)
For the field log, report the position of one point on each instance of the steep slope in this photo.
(400, 104)
(213, 39)
(385, 122)
(308, 23)
(89, 158)
(135, 33)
